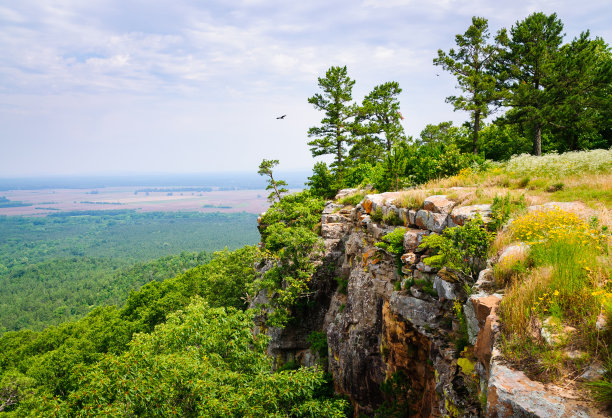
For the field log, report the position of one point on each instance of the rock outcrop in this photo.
(409, 322)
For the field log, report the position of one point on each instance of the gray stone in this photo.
(472, 322)
(425, 268)
(345, 192)
(512, 394)
(412, 217)
(445, 289)
(333, 230)
(438, 204)
(413, 238)
(417, 311)
(435, 222)
(460, 215)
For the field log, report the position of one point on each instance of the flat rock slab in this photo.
(512, 394)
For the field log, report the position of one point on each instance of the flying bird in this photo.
(281, 117)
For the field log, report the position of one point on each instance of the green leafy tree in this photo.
(473, 64)
(277, 186)
(444, 133)
(530, 56)
(378, 123)
(202, 362)
(333, 136)
(580, 93)
(321, 183)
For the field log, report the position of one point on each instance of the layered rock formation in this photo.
(402, 336)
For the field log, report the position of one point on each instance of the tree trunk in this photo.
(476, 129)
(537, 140)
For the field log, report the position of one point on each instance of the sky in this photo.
(186, 86)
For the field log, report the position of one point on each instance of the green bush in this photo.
(503, 208)
(393, 242)
(461, 248)
(391, 218)
(318, 342)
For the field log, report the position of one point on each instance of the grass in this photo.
(352, 199)
(565, 276)
(411, 199)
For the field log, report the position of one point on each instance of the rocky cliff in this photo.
(405, 339)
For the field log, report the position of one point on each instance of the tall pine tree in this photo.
(473, 64)
(333, 136)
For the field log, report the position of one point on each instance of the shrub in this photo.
(391, 218)
(461, 248)
(504, 207)
(412, 199)
(318, 342)
(393, 242)
(377, 215)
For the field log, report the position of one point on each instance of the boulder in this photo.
(438, 204)
(345, 192)
(460, 215)
(513, 252)
(409, 258)
(446, 290)
(435, 222)
(512, 394)
(413, 238)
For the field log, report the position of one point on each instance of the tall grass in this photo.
(556, 165)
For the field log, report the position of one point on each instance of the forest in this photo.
(185, 345)
(59, 267)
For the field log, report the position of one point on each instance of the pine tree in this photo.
(473, 64)
(333, 136)
(377, 123)
(530, 56)
(265, 169)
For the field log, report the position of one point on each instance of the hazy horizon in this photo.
(183, 86)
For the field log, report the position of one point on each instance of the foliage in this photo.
(291, 245)
(58, 290)
(393, 242)
(530, 54)
(333, 135)
(377, 124)
(201, 362)
(322, 182)
(473, 65)
(398, 394)
(376, 215)
(265, 169)
(318, 342)
(504, 207)
(444, 133)
(391, 218)
(460, 248)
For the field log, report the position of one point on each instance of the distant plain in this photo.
(46, 201)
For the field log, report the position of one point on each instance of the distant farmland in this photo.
(41, 202)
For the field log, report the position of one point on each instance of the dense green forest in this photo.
(59, 267)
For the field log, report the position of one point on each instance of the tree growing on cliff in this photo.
(377, 123)
(333, 136)
(473, 64)
(265, 169)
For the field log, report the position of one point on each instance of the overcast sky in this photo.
(178, 86)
